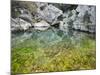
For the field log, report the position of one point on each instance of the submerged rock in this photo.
(42, 25)
(48, 37)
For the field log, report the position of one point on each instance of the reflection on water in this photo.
(50, 37)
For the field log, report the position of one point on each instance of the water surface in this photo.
(52, 50)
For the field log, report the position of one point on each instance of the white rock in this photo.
(42, 25)
(24, 25)
(19, 24)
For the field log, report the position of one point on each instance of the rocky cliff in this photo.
(41, 16)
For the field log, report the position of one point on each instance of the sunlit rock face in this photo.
(87, 13)
(86, 19)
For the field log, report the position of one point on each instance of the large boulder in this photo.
(49, 13)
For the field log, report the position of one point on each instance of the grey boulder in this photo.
(49, 13)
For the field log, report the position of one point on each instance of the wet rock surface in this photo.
(42, 25)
